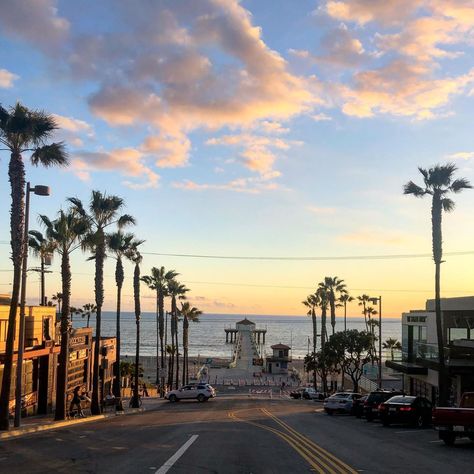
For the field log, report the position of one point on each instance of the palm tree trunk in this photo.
(332, 305)
(16, 173)
(136, 295)
(119, 275)
(42, 282)
(323, 327)
(185, 350)
(176, 335)
(161, 311)
(345, 316)
(63, 362)
(99, 301)
(436, 219)
(315, 335)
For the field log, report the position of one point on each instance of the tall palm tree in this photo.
(323, 293)
(177, 291)
(22, 130)
(364, 301)
(136, 258)
(335, 286)
(392, 344)
(103, 212)
(87, 311)
(120, 245)
(42, 248)
(158, 281)
(312, 302)
(66, 231)
(58, 297)
(438, 183)
(189, 313)
(344, 299)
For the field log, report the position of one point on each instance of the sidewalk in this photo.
(35, 424)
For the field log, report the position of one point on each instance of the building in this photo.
(81, 355)
(419, 361)
(278, 362)
(107, 363)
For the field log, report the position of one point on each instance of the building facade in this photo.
(278, 362)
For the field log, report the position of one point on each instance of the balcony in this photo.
(458, 356)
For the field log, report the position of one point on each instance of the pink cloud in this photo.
(7, 79)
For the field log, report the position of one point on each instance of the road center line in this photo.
(169, 464)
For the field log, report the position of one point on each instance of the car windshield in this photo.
(341, 395)
(401, 400)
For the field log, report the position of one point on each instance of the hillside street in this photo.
(234, 434)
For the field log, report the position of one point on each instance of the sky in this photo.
(260, 128)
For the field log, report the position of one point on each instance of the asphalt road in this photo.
(235, 435)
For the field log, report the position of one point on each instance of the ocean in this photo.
(207, 337)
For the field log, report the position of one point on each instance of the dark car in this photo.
(307, 393)
(374, 399)
(405, 409)
(358, 406)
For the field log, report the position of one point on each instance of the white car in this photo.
(200, 392)
(340, 402)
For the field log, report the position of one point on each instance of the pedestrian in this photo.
(76, 402)
(144, 391)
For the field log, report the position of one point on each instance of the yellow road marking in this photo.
(304, 439)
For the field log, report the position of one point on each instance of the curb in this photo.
(18, 433)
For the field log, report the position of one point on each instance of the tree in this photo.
(102, 213)
(189, 313)
(58, 297)
(22, 130)
(371, 324)
(320, 363)
(322, 293)
(43, 249)
(87, 311)
(344, 299)
(334, 287)
(66, 231)
(363, 301)
(121, 246)
(136, 258)
(438, 183)
(177, 291)
(392, 344)
(73, 310)
(312, 302)
(351, 350)
(158, 281)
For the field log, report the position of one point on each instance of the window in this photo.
(457, 333)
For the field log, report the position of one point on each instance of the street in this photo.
(235, 434)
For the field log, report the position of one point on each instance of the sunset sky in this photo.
(255, 128)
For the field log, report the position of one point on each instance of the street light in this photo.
(379, 301)
(39, 190)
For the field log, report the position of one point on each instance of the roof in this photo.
(280, 346)
(246, 321)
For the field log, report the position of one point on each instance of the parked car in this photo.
(200, 392)
(307, 393)
(453, 423)
(407, 410)
(340, 402)
(374, 399)
(358, 406)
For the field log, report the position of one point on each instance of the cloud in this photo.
(321, 117)
(371, 237)
(128, 161)
(324, 211)
(341, 48)
(170, 151)
(73, 131)
(7, 79)
(36, 21)
(462, 155)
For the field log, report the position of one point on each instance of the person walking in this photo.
(76, 402)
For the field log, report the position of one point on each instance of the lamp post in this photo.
(39, 190)
(379, 301)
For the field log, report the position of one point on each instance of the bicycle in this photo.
(130, 403)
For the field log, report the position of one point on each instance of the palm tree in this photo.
(88, 310)
(392, 344)
(189, 313)
(120, 245)
(334, 286)
(58, 297)
(438, 183)
(158, 281)
(364, 300)
(344, 299)
(170, 350)
(22, 130)
(177, 291)
(312, 302)
(323, 294)
(102, 213)
(43, 249)
(73, 310)
(66, 231)
(136, 258)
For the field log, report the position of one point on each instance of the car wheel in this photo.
(201, 397)
(448, 437)
(173, 398)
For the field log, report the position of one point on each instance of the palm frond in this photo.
(441, 175)
(448, 204)
(412, 188)
(50, 155)
(459, 184)
(125, 220)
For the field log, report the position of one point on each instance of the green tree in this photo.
(87, 311)
(439, 182)
(364, 301)
(344, 299)
(22, 130)
(43, 249)
(320, 363)
(312, 302)
(58, 297)
(66, 231)
(121, 246)
(103, 212)
(392, 344)
(334, 287)
(158, 281)
(323, 295)
(189, 313)
(176, 291)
